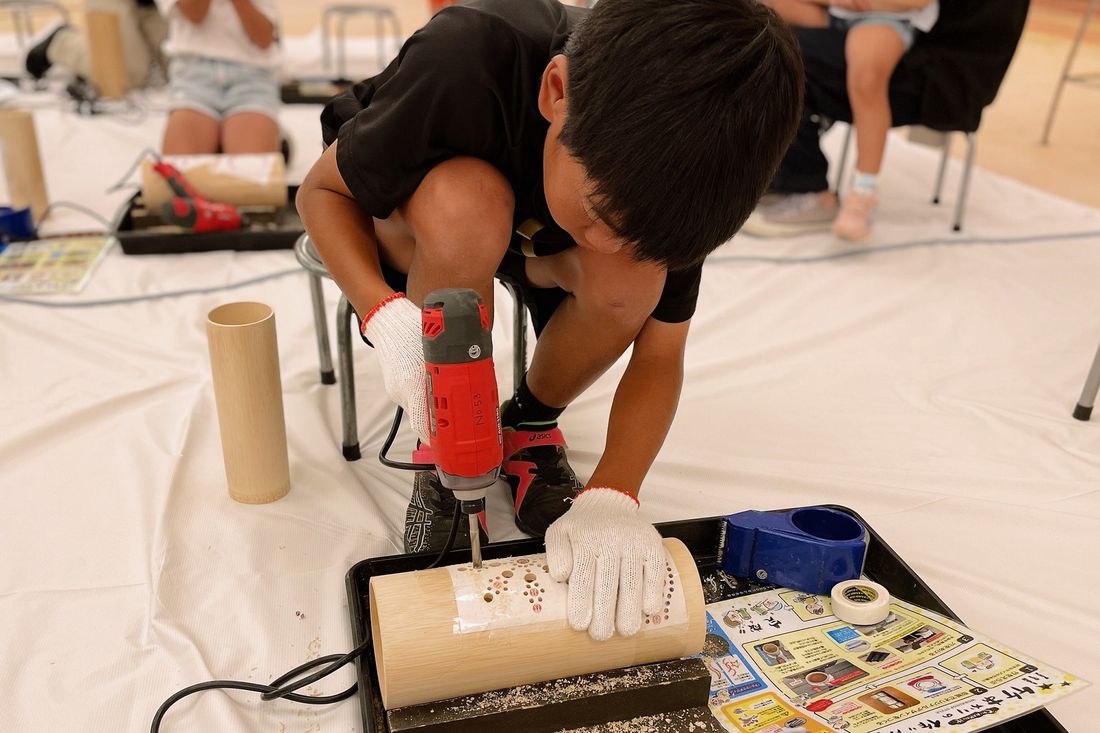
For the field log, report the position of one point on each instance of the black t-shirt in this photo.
(467, 84)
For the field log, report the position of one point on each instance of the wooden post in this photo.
(425, 649)
(244, 359)
(22, 162)
(106, 54)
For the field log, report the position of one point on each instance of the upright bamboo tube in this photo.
(424, 650)
(244, 359)
(106, 54)
(22, 162)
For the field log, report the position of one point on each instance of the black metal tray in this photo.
(701, 536)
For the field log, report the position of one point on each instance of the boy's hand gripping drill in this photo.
(463, 409)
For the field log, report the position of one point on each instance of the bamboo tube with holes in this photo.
(244, 360)
(426, 650)
(105, 54)
(22, 162)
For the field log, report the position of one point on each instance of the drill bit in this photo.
(475, 540)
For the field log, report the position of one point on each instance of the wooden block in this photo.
(22, 162)
(106, 55)
(662, 691)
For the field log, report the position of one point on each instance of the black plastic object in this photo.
(147, 235)
(703, 537)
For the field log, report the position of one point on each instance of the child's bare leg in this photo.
(805, 13)
(250, 132)
(190, 132)
(872, 52)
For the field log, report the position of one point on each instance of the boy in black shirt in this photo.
(595, 158)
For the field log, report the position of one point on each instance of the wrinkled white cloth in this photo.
(394, 327)
(614, 562)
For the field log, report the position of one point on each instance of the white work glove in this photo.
(614, 562)
(394, 328)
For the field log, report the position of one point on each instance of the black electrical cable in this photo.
(273, 689)
(449, 544)
(389, 441)
(279, 687)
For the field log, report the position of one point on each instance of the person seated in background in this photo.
(222, 76)
(142, 30)
(875, 42)
(943, 80)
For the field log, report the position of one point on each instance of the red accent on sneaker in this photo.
(612, 488)
(375, 309)
(423, 454)
(515, 440)
(525, 470)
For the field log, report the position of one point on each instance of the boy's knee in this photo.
(462, 203)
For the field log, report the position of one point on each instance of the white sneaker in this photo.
(788, 215)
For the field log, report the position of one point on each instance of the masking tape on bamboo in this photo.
(519, 590)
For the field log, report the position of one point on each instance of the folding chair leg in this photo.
(943, 168)
(519, 336)
(1089, 12)
(964, 188)
(844, 158)
(345, 320)
(1083, 411)
(324, 351)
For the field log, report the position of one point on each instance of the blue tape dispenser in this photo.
(809, 549)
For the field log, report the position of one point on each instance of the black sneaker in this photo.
(37, 61)
(430, 515)
(543, 484)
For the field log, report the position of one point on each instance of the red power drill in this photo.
(463, 408)
(190, 209)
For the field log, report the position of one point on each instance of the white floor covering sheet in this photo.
(927, 387)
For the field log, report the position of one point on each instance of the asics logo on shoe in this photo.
(538, 436)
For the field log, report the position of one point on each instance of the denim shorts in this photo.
(903, 27)
(222, 88)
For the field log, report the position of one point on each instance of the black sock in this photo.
(525, 412)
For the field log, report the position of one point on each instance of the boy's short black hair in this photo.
(680, 111)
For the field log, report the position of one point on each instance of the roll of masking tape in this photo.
(860, 602)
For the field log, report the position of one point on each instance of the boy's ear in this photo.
(552, 90)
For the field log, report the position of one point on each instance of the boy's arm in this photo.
(615, 560)
(258, 27)
(342, 233)
(889, 6)
(644, 406)
(194, 10)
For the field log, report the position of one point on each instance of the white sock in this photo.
(864, 182)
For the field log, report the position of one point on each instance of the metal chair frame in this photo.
(23, 19)
(347, 329)
(1083, 410)
(964, 187)
(1067, 75)
(338, 15)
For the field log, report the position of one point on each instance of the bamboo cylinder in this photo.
(105, 54)
(244, 179)
(22, 162)
(244, 360)
(425, 651)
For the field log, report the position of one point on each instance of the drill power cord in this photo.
(279, 687)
